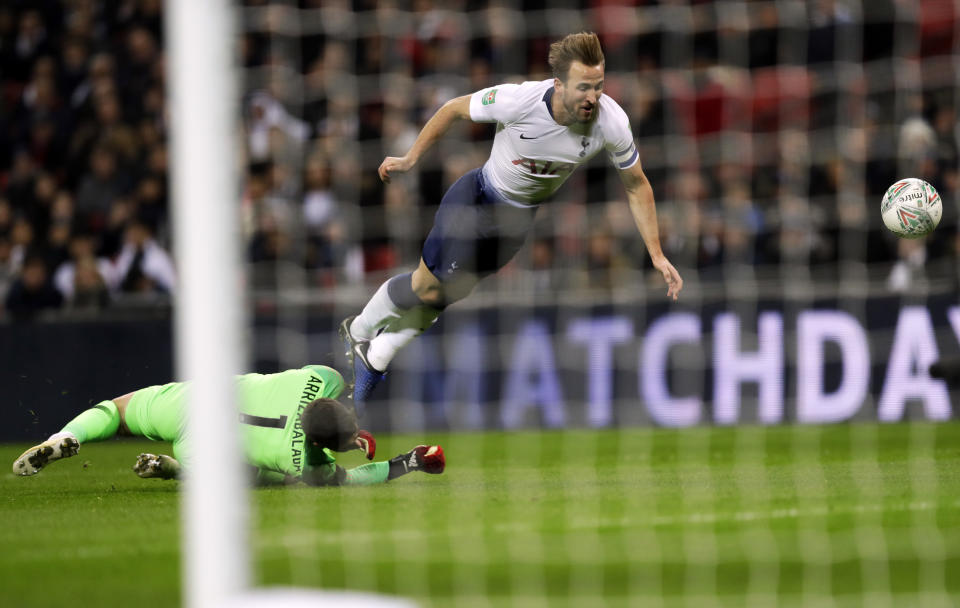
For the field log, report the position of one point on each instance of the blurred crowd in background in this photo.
(769, 131)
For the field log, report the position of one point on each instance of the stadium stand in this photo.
(769, 131)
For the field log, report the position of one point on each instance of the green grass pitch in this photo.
(853, 515)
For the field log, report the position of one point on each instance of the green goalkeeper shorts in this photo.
(159, 413)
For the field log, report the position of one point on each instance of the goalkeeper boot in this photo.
(156, 465)
(365, 377)
(39, 456)
(426, 458)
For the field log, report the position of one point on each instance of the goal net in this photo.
(775, 437)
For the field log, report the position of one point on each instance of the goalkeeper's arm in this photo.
(266, 477)
(425, 458)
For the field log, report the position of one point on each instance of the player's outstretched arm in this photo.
(424, 458)
(456, 109)
(157, 465)
(644, 210)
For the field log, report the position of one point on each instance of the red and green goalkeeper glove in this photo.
(367, 443)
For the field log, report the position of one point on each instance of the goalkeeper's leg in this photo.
(95, 424)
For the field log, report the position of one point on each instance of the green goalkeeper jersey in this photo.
(270, 408)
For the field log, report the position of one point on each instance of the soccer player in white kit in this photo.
(545, 130)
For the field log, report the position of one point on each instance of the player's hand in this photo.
(367, 443)
(670, 275)
(393, 164)
(427, 458)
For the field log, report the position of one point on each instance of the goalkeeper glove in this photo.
(367, 443)
(426, 458)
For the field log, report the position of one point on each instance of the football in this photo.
(911, 208)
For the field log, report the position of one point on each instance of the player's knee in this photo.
(431, 296)
(426, 287)
(121, 405)
(443, 295)
(436, 294)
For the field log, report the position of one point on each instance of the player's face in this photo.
(580, 94)
(351, 443)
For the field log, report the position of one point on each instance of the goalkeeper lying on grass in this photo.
(291, 423)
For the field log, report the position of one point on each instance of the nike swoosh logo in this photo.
(522, 137)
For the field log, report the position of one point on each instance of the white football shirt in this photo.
(532, 154)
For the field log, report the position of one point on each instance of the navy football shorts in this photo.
(474, 231)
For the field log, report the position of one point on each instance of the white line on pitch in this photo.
(308, 539)
(314, 538)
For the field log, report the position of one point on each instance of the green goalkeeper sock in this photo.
(95, 424)
(368, 474)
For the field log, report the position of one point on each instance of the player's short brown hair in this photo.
(329, 423)
(583, 47)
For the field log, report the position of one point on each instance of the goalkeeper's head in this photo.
(330, 424)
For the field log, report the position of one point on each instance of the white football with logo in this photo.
(911, 208)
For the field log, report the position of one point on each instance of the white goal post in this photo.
(209, 345)
(210, 321)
